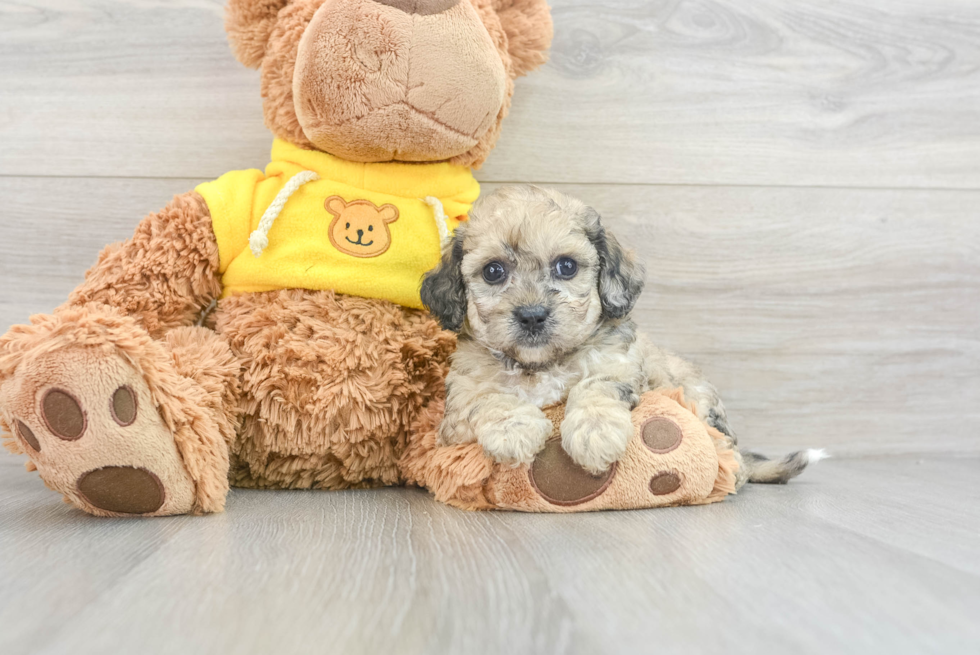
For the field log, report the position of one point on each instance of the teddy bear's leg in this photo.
(120, 407)
(119, 423)
(331, 385)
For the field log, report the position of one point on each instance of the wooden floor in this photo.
(802, 180)
(867, 555)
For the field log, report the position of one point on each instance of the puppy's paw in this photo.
(517, 436)
(454, 429)
(596, 435)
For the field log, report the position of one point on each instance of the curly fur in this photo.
(249, 23)
(330, 386)
(586, 352)
(527, 24)
(164, 274)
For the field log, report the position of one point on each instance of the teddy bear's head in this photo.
(390, 80)
(360, 228)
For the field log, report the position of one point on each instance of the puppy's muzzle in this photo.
(532, 320)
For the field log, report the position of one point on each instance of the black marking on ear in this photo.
(620, 275)
(443, 289)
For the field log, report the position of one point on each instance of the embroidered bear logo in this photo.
(360, 228)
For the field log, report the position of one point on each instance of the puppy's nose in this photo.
(421, 7)
(360, 233)
(532, 317)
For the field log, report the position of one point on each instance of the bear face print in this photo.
(360, 228)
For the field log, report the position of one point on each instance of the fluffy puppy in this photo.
(540, 295)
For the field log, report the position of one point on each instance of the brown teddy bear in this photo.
(317, 358)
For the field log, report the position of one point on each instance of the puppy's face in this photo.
(532, 274)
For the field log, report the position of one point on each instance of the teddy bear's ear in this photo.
(527, 24)
(249, 24)
(335, 205)
(388, 213)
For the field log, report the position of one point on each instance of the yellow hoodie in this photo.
(359, 229)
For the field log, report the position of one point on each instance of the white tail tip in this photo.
(814, 455)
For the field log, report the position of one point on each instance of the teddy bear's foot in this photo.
(89, 424)
(96, 432)
(672, 459)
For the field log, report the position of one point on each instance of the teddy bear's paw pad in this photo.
(62, 415)
(561, 481)
(27, 435)
(122, 490)
(665, 483)
(89, 423)
(661, 435)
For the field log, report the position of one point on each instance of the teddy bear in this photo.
(265, 330)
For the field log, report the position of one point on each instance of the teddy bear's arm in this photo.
(165, 275)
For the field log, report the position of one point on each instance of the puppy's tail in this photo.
(780, 471)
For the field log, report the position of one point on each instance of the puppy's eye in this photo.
(370, 228)
(494, 273)
(566, 268)
(348, 226)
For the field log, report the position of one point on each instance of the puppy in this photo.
(540, 295)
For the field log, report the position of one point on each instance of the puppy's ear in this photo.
(443, 289)
(620, 275)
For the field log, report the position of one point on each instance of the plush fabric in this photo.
(330, 386)
(164, 275)
(395, 94)
(698, 467)
(309, 246)
(88, 353)
(363, 85)
(249, 24)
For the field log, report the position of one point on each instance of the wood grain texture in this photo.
(774, 92)
(847, 319)
(860, 556)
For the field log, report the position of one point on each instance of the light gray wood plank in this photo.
(117, 87)
(763, 573)
(779, 92)
(847, 319)
(768, 571)
(921, 504)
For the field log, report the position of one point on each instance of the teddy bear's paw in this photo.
(87, 420)
(664, 455)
